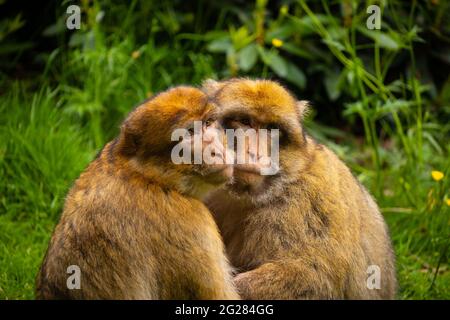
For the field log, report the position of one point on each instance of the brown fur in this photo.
(308, 232)
(132, 221)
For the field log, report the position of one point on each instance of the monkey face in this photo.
(176, 136)
(257, 106)
(209, 159)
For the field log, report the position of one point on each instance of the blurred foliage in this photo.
(381, 101)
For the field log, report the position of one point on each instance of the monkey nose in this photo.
(210, 134)
(217, 153)
(253, 157)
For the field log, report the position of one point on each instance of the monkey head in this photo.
(252, 105)
(175, 139)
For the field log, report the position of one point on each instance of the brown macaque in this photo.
(133, 223)
(309, 230)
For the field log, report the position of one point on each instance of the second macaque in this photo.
(309, 230)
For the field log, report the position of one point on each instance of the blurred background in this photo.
(380, 99)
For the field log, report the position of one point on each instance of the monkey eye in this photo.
(245, 121)
(191, 130)
(273, 126)
(281, 133)
(236, 122)
(209, 122)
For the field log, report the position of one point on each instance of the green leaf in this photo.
(433, 142)
(289, 47)
(247, 57)
(353, 108)
(280, 32)
(333, 43)
(274, 61)
(384, 40)
(393, 106)
(296, 75)
(282, 68)
(219, 45)
(77, 39)
(306, 26)
(55, 29)
(240, 37)
(278, 65)
(332, 85)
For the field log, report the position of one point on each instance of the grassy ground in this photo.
(53, 125)
(43, 150)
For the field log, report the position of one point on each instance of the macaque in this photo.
(133, 224)
(310, 230)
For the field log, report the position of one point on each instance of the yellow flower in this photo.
(277, 42)
(437, 175)
(448, 202)
(136, 54)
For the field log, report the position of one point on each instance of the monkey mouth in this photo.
(247, 182)
(218, 174)
(248, 169)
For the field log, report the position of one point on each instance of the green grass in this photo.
(53, 125)
(43, 149)
(41, 154)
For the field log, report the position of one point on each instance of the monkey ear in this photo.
(129, 138)
(302, 109)
(128, 142)
(211, 86)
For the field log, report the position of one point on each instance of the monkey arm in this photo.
(287, 279)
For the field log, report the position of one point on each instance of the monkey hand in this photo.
(290, 279)
(257, 284)
(243, 282)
